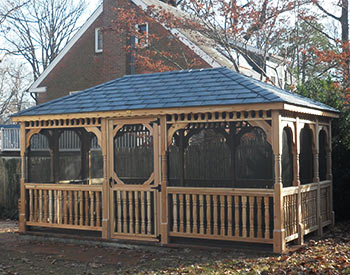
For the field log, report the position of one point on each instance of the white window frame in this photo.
(145, 44)
(98, 31)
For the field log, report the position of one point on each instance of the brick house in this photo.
(94, 56)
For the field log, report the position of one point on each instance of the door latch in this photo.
(158, 188)
(110, 182)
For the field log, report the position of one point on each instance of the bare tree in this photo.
(338, 12)
(39, 30)
(14, 80)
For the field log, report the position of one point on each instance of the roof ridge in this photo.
(175, 72)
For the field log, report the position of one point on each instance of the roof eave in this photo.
(179, 110)
(311, 111)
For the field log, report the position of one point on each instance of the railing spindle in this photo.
(222, 215)
(229, 215)
(149, 224)
(267, 217)
(244, 216)
(175, 223)
(182, 213)
(259, 217)
(131, 213)
(215, 200)
(236, 216)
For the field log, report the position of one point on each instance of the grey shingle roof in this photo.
(204, 87)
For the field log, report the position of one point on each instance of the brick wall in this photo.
(82, 68)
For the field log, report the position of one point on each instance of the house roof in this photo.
(189, 88)
(65, 50)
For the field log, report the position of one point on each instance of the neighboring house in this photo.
(9, 138)
(96, 55)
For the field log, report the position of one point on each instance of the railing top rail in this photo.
(63, 187)
(221, 191)
(326, 183)
(305, 187)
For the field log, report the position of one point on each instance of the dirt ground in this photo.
(19, 255)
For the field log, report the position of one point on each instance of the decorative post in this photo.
(316, 179)
(329, 170)
(182, 156)
(23, 201)
(53, 138)
(297, 181)
(105, 131)
(279, 243)
(164, 226)
(85, 146)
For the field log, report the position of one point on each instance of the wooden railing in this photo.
(306, 198)
(326, 203)
(134, 212)
(221, 213)
(65, 206)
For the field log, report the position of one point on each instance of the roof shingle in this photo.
(204, 87)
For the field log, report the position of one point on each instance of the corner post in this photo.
(106, 226)
(164, 224)
(279, 243)
(329, 170)
(23, 201)
(317, 178)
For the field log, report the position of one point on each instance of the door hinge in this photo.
(158, 188)
(110, 182)
(157, 121)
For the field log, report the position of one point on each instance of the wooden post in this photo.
(300, 226)
(54, 154)
(329, 169)
(182, 156)
(164, 226)
(105, 131)
(85, 145)
(279, 243)
(317, 178)
(22, 214)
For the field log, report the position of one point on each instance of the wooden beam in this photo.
(305, 110)
(155, 112)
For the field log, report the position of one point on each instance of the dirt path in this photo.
(19, 255)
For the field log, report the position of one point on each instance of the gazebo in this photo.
(206, 154)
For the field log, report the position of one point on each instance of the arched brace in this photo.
(291, 126)
(96, 132)
(314, 142)
(117, 179)
(29, 136)
(173, 129)
(326, 130)
(266, 127)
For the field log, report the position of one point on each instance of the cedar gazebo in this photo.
(208, 154)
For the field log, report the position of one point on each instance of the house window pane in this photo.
(142, 35)
(98, 40)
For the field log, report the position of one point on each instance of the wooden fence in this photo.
(221, 213)
(313, 202)
(134, 212)
(64, 206)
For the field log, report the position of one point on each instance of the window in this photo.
(98, 40)
(141, 38)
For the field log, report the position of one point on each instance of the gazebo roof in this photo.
(188, 88)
